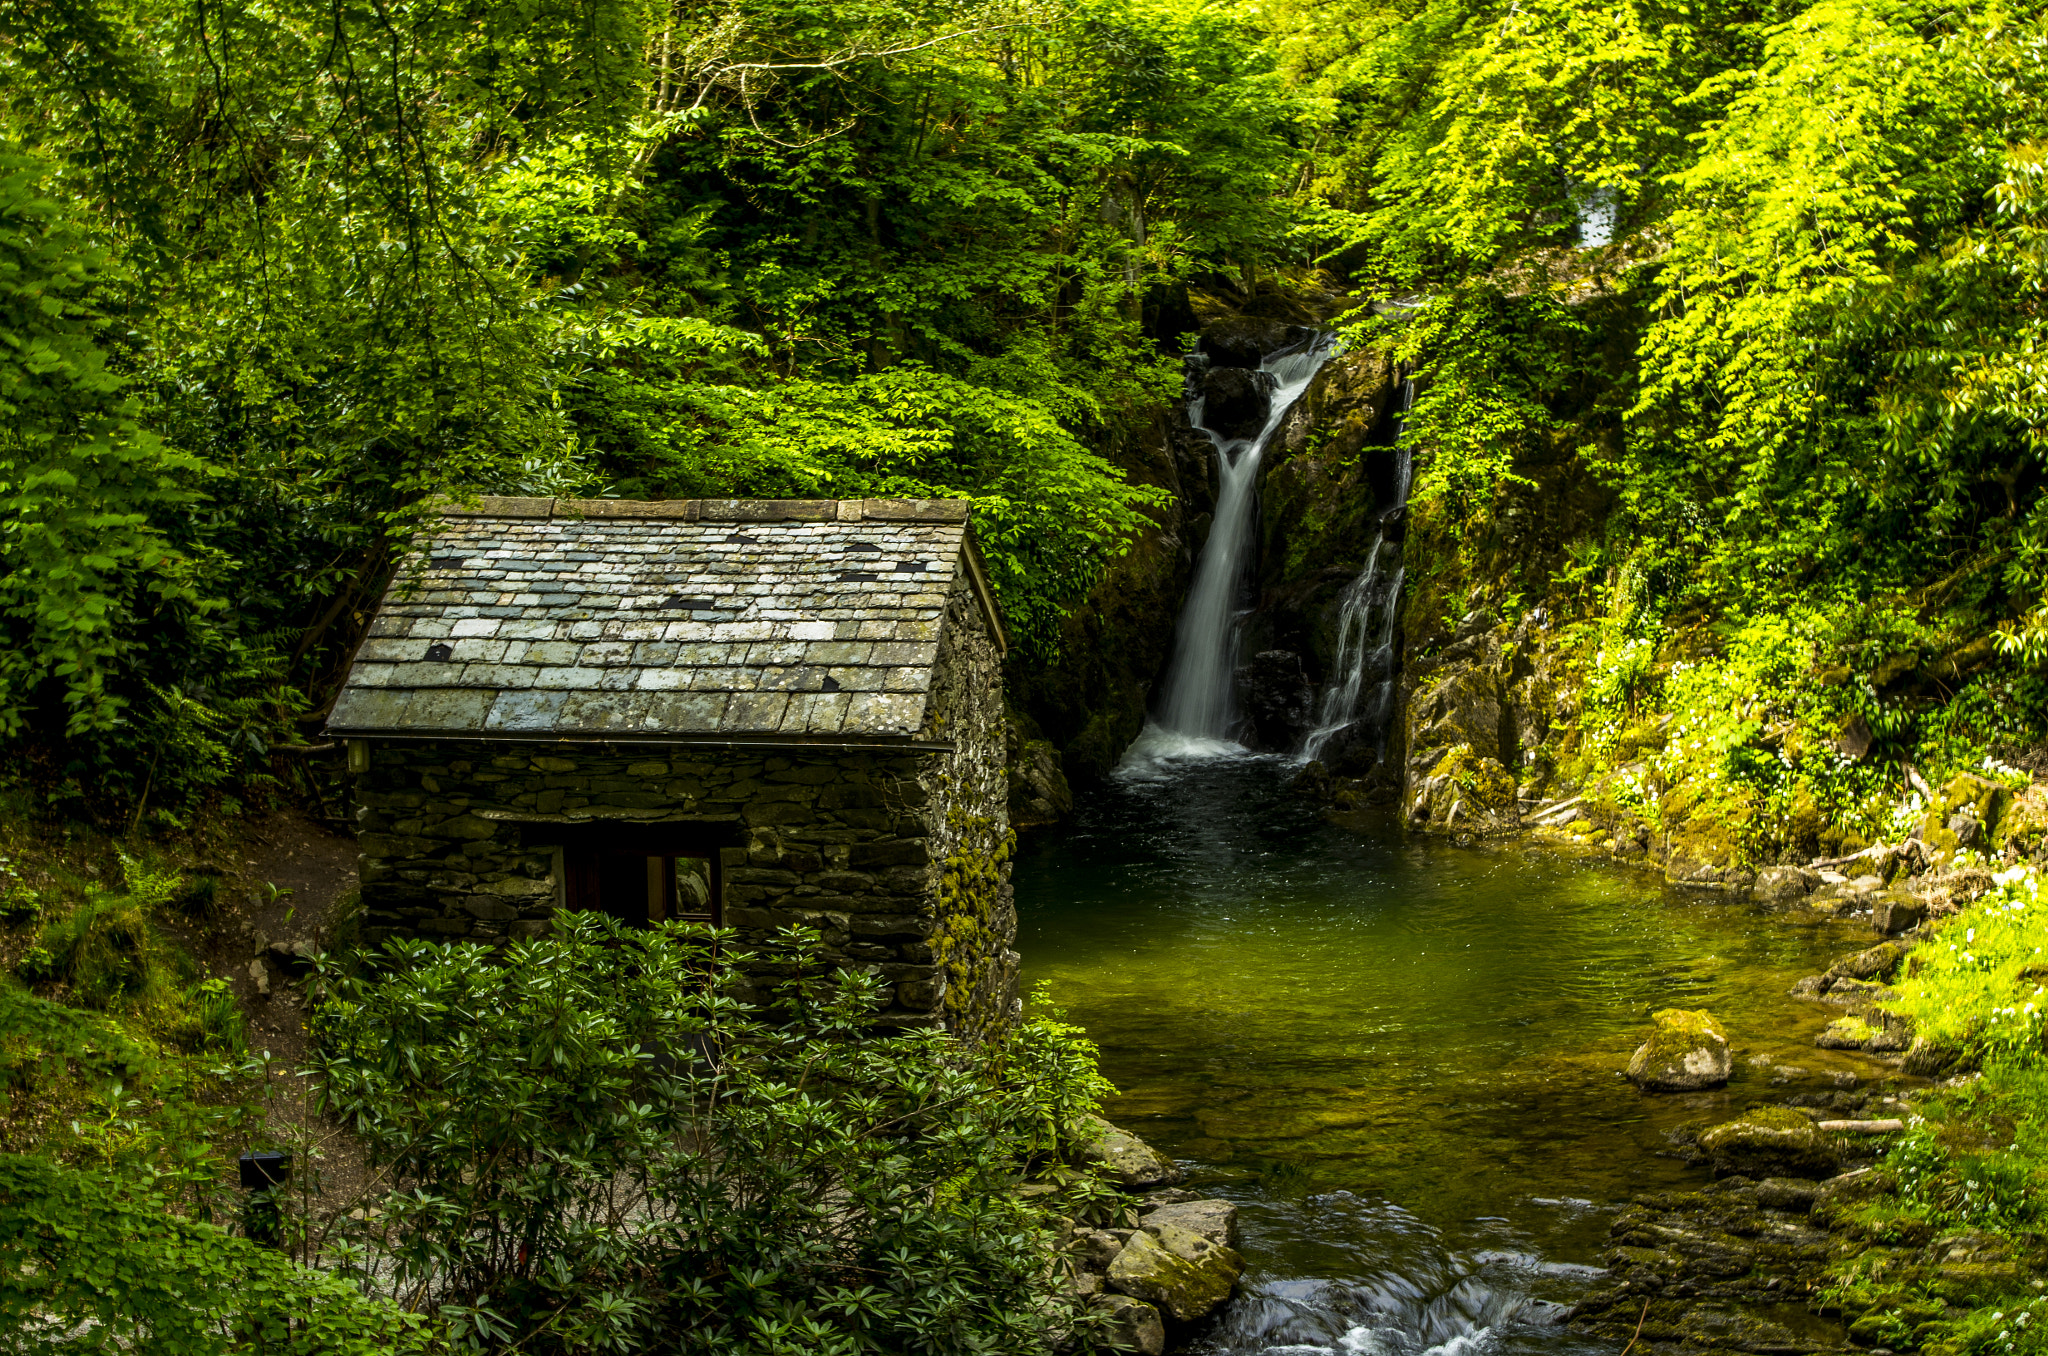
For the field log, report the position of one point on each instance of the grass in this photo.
(1972, 1174)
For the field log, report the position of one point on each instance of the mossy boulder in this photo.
(1965, 815)
(1133, 1325)
(1465, 792)
(1703, 851)
(1686, 1052)
(1869, 1031)
(1179, 1270)
(1122, 1156)
(1877, 962)
(1784, 884)
(1769, 1141)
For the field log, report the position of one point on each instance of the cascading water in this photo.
(1365, 628)
(1195, 717)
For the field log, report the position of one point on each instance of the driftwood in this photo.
(1912, 847)
(1553, 814)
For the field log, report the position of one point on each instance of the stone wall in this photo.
(899, 858)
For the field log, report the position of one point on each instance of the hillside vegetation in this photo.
(1727, 324)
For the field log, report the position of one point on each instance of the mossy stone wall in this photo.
(899, 858)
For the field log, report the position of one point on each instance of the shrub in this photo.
(89, 1262)
(597, 1146)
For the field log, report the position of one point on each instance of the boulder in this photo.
(1236, 401)
(1686, 1052)
(1784, 884)
(1132, 1325)
(1245, 341)
(1896, 912)
(1273, 692)
(1965, 814)
(1786, 1193)
(1179, 1270)
(1871, 1031)
(1925, 1059)
(1769, 1141)
(1852, 1188)
(1213, 1220)
(1122, 1156)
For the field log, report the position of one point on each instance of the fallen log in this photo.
(1892, 1127)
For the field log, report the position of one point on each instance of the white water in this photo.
(1196, 718)
(1365, 631)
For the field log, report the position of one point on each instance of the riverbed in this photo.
(1401, 1058)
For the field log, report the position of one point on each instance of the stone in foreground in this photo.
(1124, 1158)
(1177, 1269)
(1770, 1141)
(1686, 1052)
(1133, 1325)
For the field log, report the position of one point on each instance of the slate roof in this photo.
(768, 620)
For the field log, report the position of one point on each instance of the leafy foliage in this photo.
(597, 1145)
(89, 1261)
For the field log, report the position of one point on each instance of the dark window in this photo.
(643, 875)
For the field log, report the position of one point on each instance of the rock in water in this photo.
(1784, 884)
(1236, 400)
(1133, 1325)
(1771, 1141)
(1213, 1220)
(1686, 1052)
(1177, 1269)
(1122, 1156)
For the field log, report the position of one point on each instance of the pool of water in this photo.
(1402, 1059)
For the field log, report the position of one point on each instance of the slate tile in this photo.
(854, 678)
(364, 708)
(525, 711)
(756, 712)
(884, 713)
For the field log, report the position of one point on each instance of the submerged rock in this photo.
(1686, 1052)
(1769, 1141)
(1123, 1157)
(1184, 1273)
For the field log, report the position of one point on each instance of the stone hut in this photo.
(755, 713)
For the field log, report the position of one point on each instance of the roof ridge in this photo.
(708, 510)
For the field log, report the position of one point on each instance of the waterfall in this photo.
(1195, 714)
(1366, 613)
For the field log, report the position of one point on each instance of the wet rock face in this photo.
(1236, 401)
(1686, 1052)
(1245, 341)
(1273, 692)
(1039, 794)
(1474, 712)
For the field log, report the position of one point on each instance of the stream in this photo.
(1400, 1059)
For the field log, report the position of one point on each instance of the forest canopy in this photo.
(272, 275)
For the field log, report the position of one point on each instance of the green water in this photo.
(1401, 1059)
